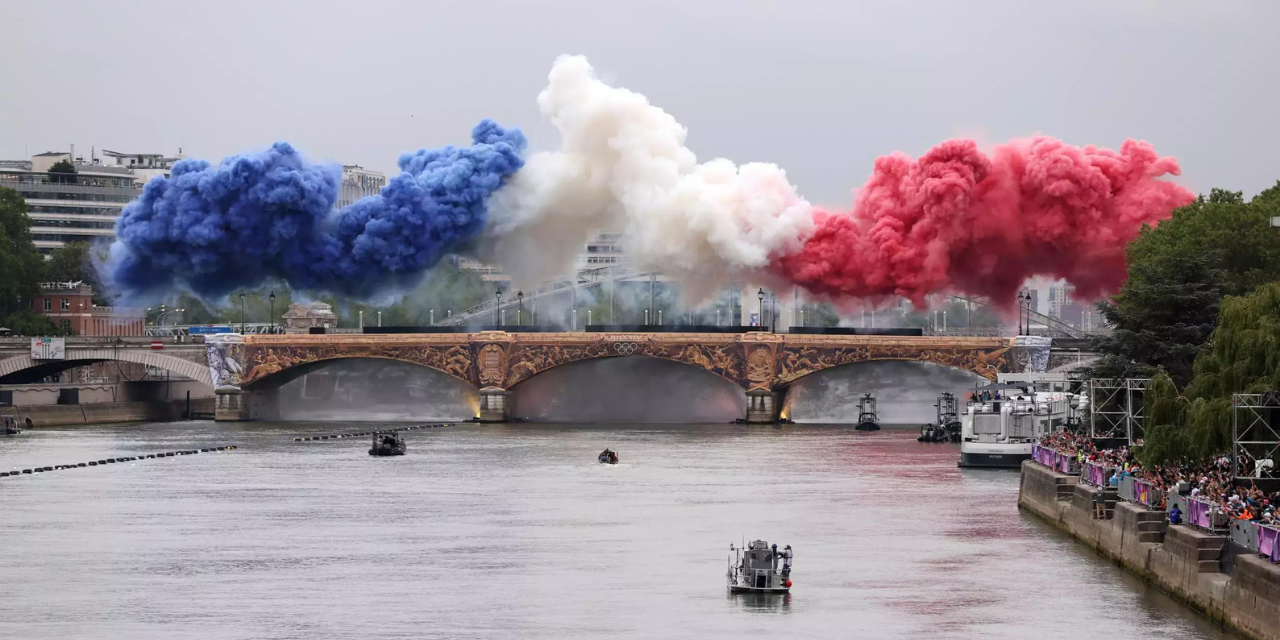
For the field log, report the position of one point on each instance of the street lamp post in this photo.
(519, 308)
(379, 318)
(659, 317)
(497, 319)
(272, 298)
(242, 313)
(588, 318)
(432, 315)
(760, 309)
(360, 314)
(575, 319)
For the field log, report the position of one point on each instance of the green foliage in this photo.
(63, 172)
(1178, 272)
(1164, 312)
(29, 323)
(20, 262)
(1243, 356)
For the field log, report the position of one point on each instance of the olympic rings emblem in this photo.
(625, 348)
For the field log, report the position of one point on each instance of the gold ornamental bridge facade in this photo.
(247, 370)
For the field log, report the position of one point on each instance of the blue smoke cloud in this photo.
(254, 217)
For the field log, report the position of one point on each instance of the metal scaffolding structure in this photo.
(1116, 407)
(1255, 434)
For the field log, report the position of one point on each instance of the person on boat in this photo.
(786, 561)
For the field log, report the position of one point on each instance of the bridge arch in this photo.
(633, 389)
(17, 369)
(265, 375)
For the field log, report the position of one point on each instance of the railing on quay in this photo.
(1141, 492)
(1095, 474)
(1054, 459)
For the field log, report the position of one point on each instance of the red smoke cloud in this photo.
(956, 220)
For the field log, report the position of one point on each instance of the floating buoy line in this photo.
(94, 463)
(362, 434)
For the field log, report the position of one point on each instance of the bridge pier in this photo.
(495, 405)
(237, 405)
(762, 407)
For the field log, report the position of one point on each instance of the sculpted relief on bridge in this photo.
(495, 359)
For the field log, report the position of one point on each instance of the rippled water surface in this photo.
(516, 532)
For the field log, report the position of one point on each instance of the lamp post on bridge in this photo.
(242, 313)
(519, 308)
(497, 317)
(760, 310)
(272, 298)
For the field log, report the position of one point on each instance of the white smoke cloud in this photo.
(623, 166)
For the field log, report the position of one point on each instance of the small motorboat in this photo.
(755, 569)
(387, 444)
(10, 425)
(608, 457)
(867, 419)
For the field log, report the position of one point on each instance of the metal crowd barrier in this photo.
(1094, 474)
(1147, 494)
(1205, 515)
(1268, 542)
(1056, 460)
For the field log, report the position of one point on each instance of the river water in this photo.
(516, 532)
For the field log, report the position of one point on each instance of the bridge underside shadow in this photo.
(905, 391)
(361, 389)
(627, 390)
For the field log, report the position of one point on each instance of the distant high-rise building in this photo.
(1060, 296)
(358, 182)
(81, 206)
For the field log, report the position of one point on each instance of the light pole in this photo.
(588, 318)
(360, 314)
(519, 308)
(242, 313)
(659, 317)
(497, 319)
(760, 309)
(944, 320)
(432, 315)
(379, 318)
(272, 298)
(575, 319)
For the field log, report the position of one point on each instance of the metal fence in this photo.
(1056, 460)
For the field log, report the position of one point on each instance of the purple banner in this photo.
(1198, 514)
(1146, 493)
(1094, 474)
(1267, 546)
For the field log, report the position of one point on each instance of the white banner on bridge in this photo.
(48, 349)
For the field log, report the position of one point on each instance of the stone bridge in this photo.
(247, 370)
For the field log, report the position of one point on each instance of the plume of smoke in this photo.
(212, 229)
(956, 220)
(623, 165)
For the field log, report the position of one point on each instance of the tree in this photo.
(63, 172)
(30, 323)
(1218, 245)
(1164, 312)
(1243, 356)
(20, 262)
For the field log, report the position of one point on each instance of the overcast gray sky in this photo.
(819, 87)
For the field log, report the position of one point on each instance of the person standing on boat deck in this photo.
(786, 561)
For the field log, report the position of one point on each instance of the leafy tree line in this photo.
(1199, 312)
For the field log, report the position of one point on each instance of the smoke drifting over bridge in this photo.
(956, 219)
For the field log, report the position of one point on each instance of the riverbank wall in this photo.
(107, 412)
(1180, 560)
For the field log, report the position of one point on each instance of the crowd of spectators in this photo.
(1208, 481)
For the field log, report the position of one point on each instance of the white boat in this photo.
(1002, 421)
(759, 568)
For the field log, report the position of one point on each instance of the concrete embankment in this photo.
(1178, 559)
(106, 412)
